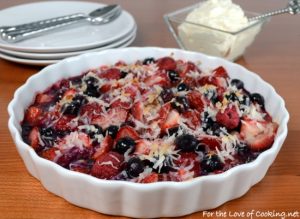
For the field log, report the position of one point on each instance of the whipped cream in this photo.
(222, 15)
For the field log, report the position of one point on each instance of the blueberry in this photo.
(125, 144)
(242, 149)
(92, 88)
(259, 99)
(166, 95)
(26, 128)
(216, 129)
(182, 87)
(181, 104)
(95, 130)
(91, 81)
(48, 135)
(237, 83)
(124, 74)
(212, 96)
(134, 167)
(244, 152)
(172, 131)
(245, 100)
(211, 127)
(80, 100)
(200, 148)
(73, 107)
(211, 162)
(148, 61)
(232, 97)
(92, 91)
(186, 143)
(173, 75)
(207, 121)
(112, 130)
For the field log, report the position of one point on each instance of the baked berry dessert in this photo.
(152, 120)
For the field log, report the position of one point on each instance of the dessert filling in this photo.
(153, 120)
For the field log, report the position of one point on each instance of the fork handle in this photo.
(37, 24)
(37, 30)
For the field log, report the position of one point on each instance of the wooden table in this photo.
(275, 56)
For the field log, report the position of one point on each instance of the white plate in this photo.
(31, 55)
(44, 62)
(77, 38)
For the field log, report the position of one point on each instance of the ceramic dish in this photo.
(161, 199)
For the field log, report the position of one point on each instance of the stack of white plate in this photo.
(52, 47)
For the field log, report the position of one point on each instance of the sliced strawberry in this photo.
(105, 147)
(49, 154)
(121, 104)
(195, 101)
(151, 178)
(259, 135)
(187, 67)
(189, 159)
(193, 118)
(229, 118)
(34, 138)
(85, 139)
(115, 116)
(171, 121)
(63, 124)
(111, 73)
(190, 82)
(164, 111)
(43, 98)
(108, 165)
(137, 111)
(216, 81)
(105, 88)
(220, 93)
(131, 91)
(220, 72)
(34, 115)
(161, 79)
(127, 131)
(142, 147)
(166, 63)
(91, 110)
(212, 143)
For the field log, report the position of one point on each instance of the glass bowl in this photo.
(209, 40)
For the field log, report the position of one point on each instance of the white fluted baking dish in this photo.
(144, 200)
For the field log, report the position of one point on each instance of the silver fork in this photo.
(293, 7)
(99, 16)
